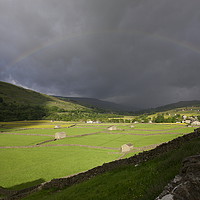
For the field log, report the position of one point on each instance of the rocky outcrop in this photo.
(186, 185)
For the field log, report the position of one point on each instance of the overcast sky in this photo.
(136, 52)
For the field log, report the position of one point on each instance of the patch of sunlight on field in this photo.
(68, 131)
(24, 165)
(116, 140)
(21, 140)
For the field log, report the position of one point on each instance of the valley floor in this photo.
(27, 161)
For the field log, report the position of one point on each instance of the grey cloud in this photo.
(141, 53)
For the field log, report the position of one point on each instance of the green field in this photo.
(144, 182)
(22, 167)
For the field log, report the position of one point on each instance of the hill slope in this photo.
(17, 103)
(93, 102)
(10, 93)
(180, 104)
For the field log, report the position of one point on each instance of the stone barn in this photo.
(112, 128)
(60, 135)
(126, 147)
(57, 126)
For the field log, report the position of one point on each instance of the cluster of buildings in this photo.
(193, 121)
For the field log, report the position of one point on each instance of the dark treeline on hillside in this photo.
(16, 112)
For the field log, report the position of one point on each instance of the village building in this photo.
(195, 123)
(60, 135)
(112, 128)
(184, 117)
(93, 122)
(89, 122)
(126, 147)
(187, 121)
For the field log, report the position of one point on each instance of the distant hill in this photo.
(179, 105)
(96, 103)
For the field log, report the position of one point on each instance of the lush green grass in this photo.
(138, 183)
(69, 131)
(21, 140)
(158, 126)
(26, 165)
(29, 165)
(40, 124)
(179, 130)
(116, 140)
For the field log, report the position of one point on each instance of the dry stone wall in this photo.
(186, 185)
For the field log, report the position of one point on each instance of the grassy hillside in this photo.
(17, 103)
(10, 93)
(181, 107)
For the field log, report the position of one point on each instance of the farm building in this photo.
(60, 135)
(89, 122)
(93, 122)
(112, 128)
(126, 147)
(57, 126)
(195, 123)
(188, 121)
(184, 117)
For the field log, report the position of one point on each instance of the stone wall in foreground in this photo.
(186, 185)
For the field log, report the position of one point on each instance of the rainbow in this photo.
(43, 46)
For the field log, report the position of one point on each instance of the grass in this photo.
(129, 182)
(69, 131)
(27, 165)
(40, 124)
(110, 140)
(21, 140)
(157, 126)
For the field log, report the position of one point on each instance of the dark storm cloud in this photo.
(141, 53)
